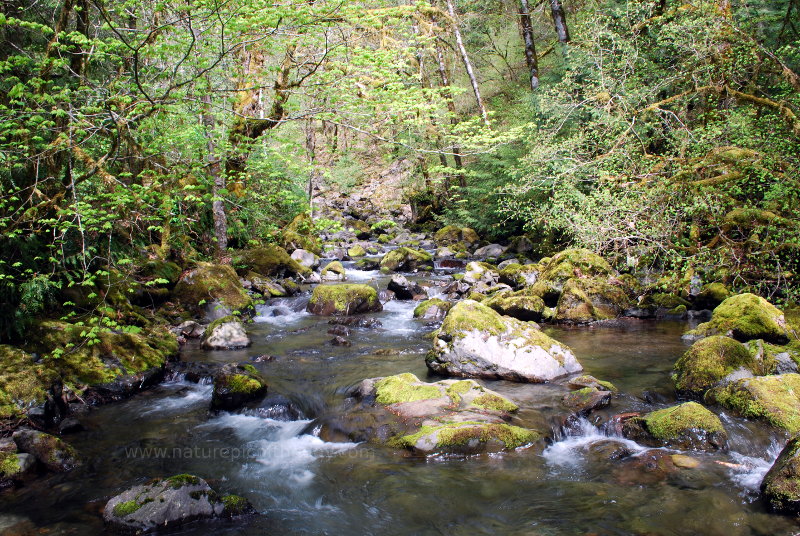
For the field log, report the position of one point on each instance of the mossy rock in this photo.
(746, 317)
(685, 426)
(586, 300)
(780, 488)
(710, 361)
(586, 380)
(300, 234)
(212, 282)
(356, 251)
(466, 438)
(157, 269)
(327, 300)
(576, 262)
(711, 295)
(270, 261)
(434, 308)
(23, 383)
(521, 305)
(665, 300)
(52, 452)
(405, 259)
(236, 385)
(774, 399)
(585, 400)
(333, 271)
(447, 235)
(518, 276)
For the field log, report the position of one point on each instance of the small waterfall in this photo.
(282, 311)
(578, 439)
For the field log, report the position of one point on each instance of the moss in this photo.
(708, 361)
(422, 308)
(457, 277)
(356, 251)
(746, 317)
(522, 305)
(712, 294)
(299, 234)
(469, 315)
(235, 505)
(572, 262)
(469, 235)
(9, 464)
(455, 390)
(405, 259)
(460, 434)
(668, 301)
(241, 383)
(343, 297)
(775, 399)
(269, 261)
(461, 255)
(181, 480)
(23, 383)
(335, 267)
(404, 388)
(447, 235)
(249, 368)
(218, 322)
(126, 508)
(671, 423)
(591, 381)
(494, 402)
(384, 239)
(209, 282)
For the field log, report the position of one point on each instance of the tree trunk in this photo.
(451, 107)
(467, 63)
(560, 21)
(530, 45)
(218, 184)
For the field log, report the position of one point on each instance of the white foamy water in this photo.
(282, 312)
(361, 275)
(752, 469)
(277, 447)
(400, 316)
(569, 452)
(193, 393)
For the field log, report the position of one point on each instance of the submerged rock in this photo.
(745, 317)
(327, 300)
(236, 385)
(169, 503)
(774, 399)
(227, 333)
(475, 341)
(50, 451)
(685, 426)
(780, 488)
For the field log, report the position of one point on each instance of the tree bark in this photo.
(559, 21)
(530, 45)
(218, 184)
(451, 107)
(467, 63)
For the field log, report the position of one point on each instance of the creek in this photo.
(585, 482)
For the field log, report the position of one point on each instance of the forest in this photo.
(383, 250)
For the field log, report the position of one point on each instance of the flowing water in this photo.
(587, 482)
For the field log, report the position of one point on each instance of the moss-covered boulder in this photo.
(685, 426)
(713, 360)
(24, 384)
(404, 289)
(305, 258)
(476, 341)
(270, 261)
(356, 251)
(50, 451)
(14, 467)
(212, 283)
(227, 333)
(519, 276)
(451, 234)
(746, 317)
(333, 271)
(774, 399)
(327, 300)
(433, 309)
(575, 263)
(780, 488)
(236, 385)
(588, 299)
(466, 438)
(167, 504)
(521, 305)
(405, 259)
(711, 295)
(300, 234)
(586, 399)
(585, 380)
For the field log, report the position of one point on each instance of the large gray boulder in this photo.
(167, 504)
(477, 342)
(225, 334)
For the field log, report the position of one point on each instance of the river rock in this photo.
(333, 271)
(492, 250)
(405, 259)
(433, 309)
(190, 329)
(745, 317)
(685, 426)
(236, 385)
(518, 276)
(225, 334)
(712, 361)
(774, 399)
(50, 451)
(405, 289)
(521, 305)
(585, 300)
(305, 258)
(480, 272)
(271, 261)
(169, 503)
(212, 282)
(585, 400)
(327, 300)
(475, 341)
(579, 382)
(780, 488)
(15, 466)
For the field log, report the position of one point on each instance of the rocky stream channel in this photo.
(321, 451)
